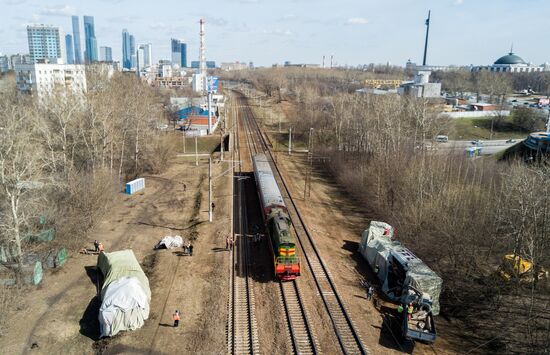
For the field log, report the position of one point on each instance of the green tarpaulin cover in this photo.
(120, 264)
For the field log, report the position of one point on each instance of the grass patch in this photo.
(480, 128)
(205, 144)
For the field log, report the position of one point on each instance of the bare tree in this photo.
(21, 173)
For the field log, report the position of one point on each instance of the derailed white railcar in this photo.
(404, 277)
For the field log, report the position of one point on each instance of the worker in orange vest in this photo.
(101, 247)
(176, 317)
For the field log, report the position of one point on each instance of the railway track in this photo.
(303, 341)
(242, 331)
(301, 334)
(348, 337)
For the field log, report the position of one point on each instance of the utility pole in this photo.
(196, 153)
(221, 146)
(290, 141)
(279, 123)
(210, 188)
(209, 106)
(183, 138)
(307, 184)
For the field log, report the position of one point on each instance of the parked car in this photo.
(511, 140)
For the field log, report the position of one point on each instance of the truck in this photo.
(405, 280)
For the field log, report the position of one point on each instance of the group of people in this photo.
(229, 242)
(188, 248)
(409, 308)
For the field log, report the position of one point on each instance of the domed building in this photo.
(511, 63)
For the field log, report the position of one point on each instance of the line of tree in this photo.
(64, 157)
(460, 216)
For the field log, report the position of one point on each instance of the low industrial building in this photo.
(421, 86)
(233, 66)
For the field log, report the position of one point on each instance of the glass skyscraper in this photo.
(129, 60)
(76, 41)
(69, 48)
(183, 55)
(105, 54)
(175, 44)
(90, 40)
(46, 42)
(133, 56)
(126, 52)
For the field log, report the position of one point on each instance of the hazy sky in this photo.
(302, 31)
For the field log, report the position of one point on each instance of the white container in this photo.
(134, 186)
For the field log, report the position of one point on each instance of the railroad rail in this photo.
(242, 331)
(302, 338)
(348, 337)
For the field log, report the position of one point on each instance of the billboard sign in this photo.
(213, 84)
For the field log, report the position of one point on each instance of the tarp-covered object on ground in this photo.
(170, 242)
(125, 293)
(390, 257)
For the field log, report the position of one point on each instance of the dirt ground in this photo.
(60, 316)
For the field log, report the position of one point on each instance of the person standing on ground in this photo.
(184, 187)
(213, 206)
(228, 243)
(190, 249)
(176, 318)
(100, 247)
(370, 292)
(96, 245)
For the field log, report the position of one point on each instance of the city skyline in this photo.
(295, 30)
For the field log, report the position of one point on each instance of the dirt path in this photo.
(61, 315)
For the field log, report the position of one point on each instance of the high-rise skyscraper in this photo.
(183, 55)
(69, 49)
(76, 41)
(126, 50)
(46, 42)
(148, 54)
(133, 57)
(105, 54)
(144, 57)
(175, 44)
(91, 43)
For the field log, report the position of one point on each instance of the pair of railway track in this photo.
(242, 331)
(302, 338)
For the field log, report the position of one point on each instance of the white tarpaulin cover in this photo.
(125, 306)
(125, 294)
(170, 242)
(381, 252)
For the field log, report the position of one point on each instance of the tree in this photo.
(21, 173)
(527, 119)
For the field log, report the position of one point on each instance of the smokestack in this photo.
(427, 33)
(331, 57)
(202, 50)
(323, 61)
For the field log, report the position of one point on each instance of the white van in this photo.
(442, 139)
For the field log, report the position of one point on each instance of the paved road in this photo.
(489, 147)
